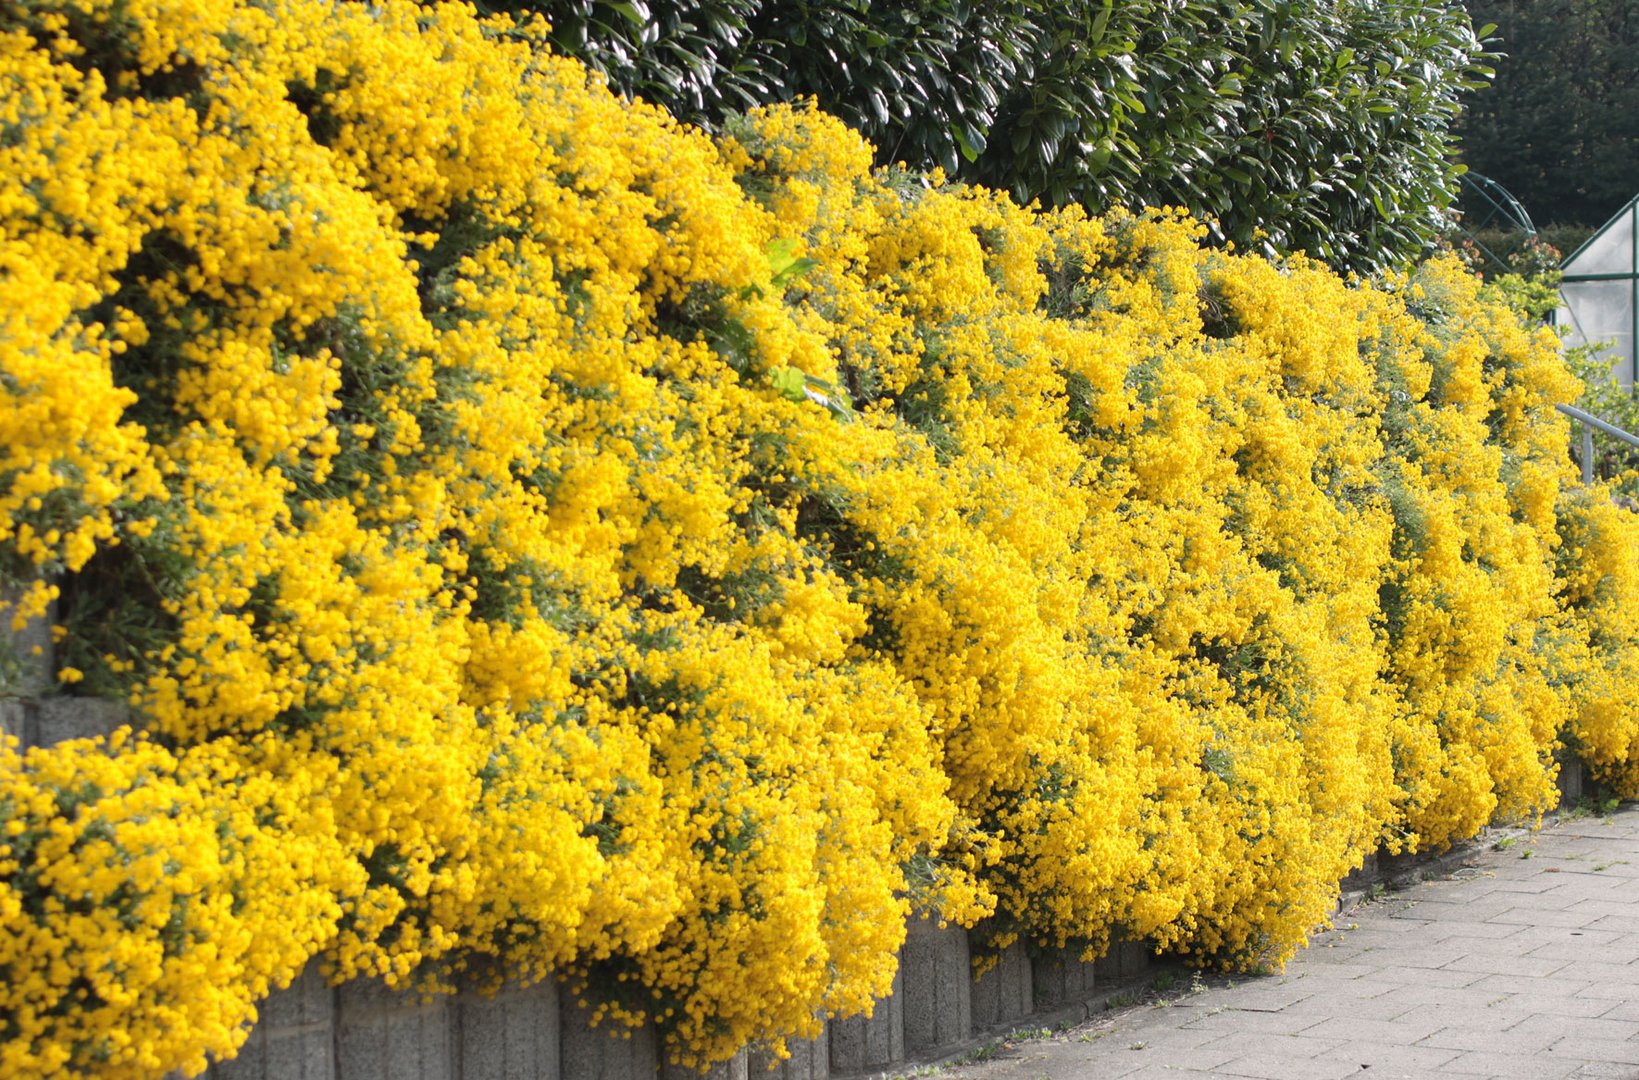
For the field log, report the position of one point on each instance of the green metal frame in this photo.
(1501, 209)
(1631, 208)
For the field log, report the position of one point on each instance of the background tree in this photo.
(1560, 125)
(1321, 125)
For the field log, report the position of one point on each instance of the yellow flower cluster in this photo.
(536, 538)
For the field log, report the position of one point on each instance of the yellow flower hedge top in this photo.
(536, 539)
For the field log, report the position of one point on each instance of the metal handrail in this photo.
(1589, 422)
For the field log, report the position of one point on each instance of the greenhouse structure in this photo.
(1599, 295)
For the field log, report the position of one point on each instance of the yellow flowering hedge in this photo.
(537, 539)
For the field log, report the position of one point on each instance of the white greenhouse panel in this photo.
(1601, 312)
(1610, 251)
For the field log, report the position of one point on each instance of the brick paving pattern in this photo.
(1524, 965)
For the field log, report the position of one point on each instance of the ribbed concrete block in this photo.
(735, 1068)
(610, 1051)
(1006, 992)
(1363, 877)
(56, 719)
(511, 1036)
(810, 1060)
(294, 1037)
(37, 671)
(1061, 975)
(1573, 781)
(14, 722)
(1125, 960)
(384, 1034)
(868, 1043)
(938, 982)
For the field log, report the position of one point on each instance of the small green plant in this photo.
(984, 1053)
(1122, 1000)
(1505, 843)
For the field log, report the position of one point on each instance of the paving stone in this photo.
(1625, 1051)
(1510, 1066)
(1393, 1060)
(1492, 931)
(1405, 1030)
(1273, 1066)
(1603, 1070)
(1513, 969)
(1570, 1006)
(1467, 1033)
(1575, 950)
(1626, 1009)
(1567, 982)
(1504, 964)
(1284, 1022)
(1551, 1028)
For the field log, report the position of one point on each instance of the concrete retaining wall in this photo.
(364, 1031)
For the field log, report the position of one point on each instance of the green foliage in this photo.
(1310, 125)
(1559, 127)
(1524, 252)
(1604, 397)
(1320, 125)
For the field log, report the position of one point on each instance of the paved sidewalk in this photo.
(1524, 964)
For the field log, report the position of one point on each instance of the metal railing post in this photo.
(1590, 422)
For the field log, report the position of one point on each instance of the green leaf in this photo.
(790, 382)
(1101, 21)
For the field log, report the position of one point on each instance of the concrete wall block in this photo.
(869, 1043)
(611, 1051)
(57, 719)
(287, 1055)
(14, 721)
(1137, 957)
(294, 1037)
(1006, 992)
(1573, 781)
(938, 982)
(385, 1034)
(1363, 877)
(511, 1036)
(810, 1060)
(735, 1068)
(1061, 975)
(38, 672)
(1125, 960)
